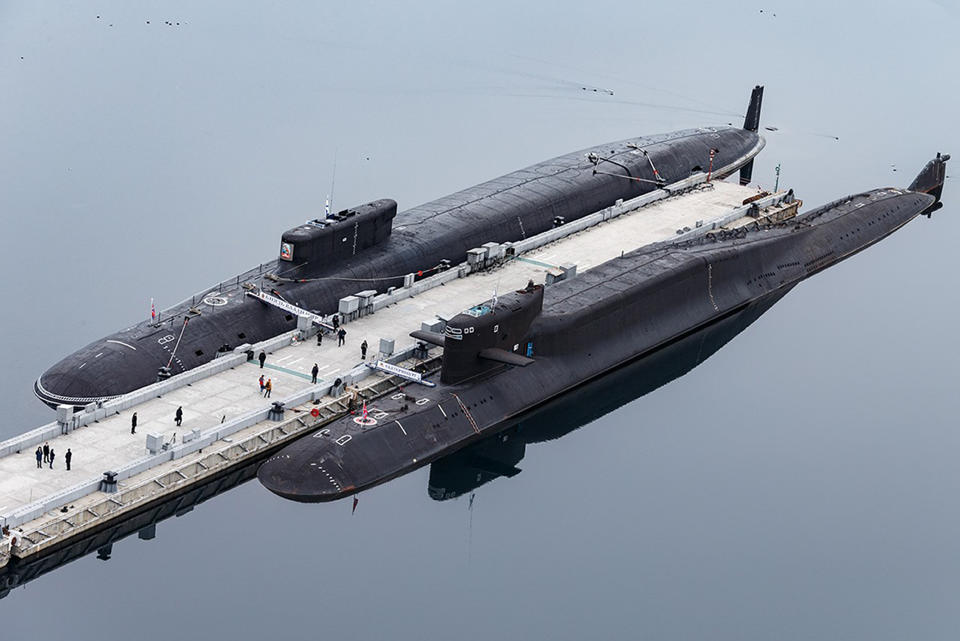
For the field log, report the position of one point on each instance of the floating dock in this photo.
(228, 425)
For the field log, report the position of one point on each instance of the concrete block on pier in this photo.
(154, 442)
(495, 251)
(349, 305)
(304, 323)
(476, 257)
(64, 413)
(566, 271)
(386, 346)
(65, 418)
(434, 325)
(366, 301)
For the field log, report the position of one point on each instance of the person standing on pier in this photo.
(263, 358)
(268, 388)
(39, 456)
(363, 350)
(133, 423)
(341, 336)
(319, 338)
(315, 371)
(51, 458)
(46, 452)
(262, 384)
(178, 417)
(67, 457)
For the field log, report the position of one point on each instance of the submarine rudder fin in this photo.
(931, 178)
(752, 123)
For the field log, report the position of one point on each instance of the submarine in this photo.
(508, 356)
(373, 247)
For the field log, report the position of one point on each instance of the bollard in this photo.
(276, 412)
(422, 351)
(108, 483)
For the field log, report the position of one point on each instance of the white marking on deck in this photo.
(110, 340)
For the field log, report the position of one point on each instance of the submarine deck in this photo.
(44, 507)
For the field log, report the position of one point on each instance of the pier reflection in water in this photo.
(457, 474)
(143, 523)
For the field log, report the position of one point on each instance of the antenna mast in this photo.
(333, 182)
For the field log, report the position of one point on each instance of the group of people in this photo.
(46, 454)
(266, 387)
(266, 384)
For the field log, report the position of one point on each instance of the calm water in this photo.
(799, 484)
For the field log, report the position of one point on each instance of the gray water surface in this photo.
(800, 484)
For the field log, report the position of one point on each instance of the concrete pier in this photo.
(227, 422)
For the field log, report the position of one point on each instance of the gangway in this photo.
(279, 303)
(402, 372)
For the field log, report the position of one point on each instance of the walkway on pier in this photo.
(108, 444)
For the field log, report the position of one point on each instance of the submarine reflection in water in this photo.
(499, 455)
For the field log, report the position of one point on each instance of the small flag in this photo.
(355, 501)
(364, 409)
(153, 311)
(326, 208)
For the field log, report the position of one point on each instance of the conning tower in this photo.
(490, 334)
(321, 242)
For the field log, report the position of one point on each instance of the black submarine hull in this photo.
(418, 241)
(598, 321)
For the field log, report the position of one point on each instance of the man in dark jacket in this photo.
(178, 418)
(67, 457)
(51, 458)
(133, 423)
(46, 452)
(263, 359)
(39, 456)
(341, 336)
(363, 350)
(315, 371)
